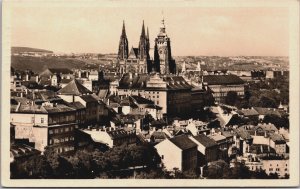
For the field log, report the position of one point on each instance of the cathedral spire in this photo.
(143, 30)
(147, 33)
(123, 29)
(123, 44)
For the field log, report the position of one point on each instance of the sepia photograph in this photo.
(184, 93)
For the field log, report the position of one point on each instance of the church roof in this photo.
(134, 53)
(74, 88)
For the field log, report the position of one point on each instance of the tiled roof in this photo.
(183, 142)
(159, 135)
(65, 80)
(38, 109)
(76, 105)
(222, 79)
(176, 82)
(135, 82)
(217, 137)
(102, 93)
(74, 88)
(88, 98)
(267, 127)
(267, 111)
(248, 112)
(205, 141)
(243, 133)
(120, 133)
(60, 70)
(277, 138)
(19, 150)
(141, 100)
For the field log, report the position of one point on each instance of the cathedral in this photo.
(139, 60)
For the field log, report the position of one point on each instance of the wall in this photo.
(281, 167)
(171, 154)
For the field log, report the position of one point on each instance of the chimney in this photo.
(130, 75)
(37, 78)
(27, 77)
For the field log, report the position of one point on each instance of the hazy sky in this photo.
(193, 31)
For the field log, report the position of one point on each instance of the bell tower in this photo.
(163, 60)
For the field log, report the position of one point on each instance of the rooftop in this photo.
(183, 142)
(74, 88)
(222, 79)
(205, 140)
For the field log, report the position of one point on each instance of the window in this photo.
(42, 120)
(162, 156)
(50, 132)
(66, 139)
(56, 131)
(285, 169)
(271, 169)
(277, 169)
(50, 141)
(67, 129)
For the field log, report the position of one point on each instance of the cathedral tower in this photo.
(123, 45)
(163, 61)
(143, 44)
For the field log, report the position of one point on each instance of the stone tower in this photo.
(123, 45)
(163, 60)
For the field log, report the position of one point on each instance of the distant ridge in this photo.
(28, 49)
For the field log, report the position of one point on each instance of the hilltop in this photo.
(28, 49)
(38, 64)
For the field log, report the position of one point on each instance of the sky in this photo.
(207, 31)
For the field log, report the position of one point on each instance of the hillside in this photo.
(38, 64)
(28, 49)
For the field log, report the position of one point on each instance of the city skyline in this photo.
(204, 31)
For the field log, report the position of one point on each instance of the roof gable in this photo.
(74, 88)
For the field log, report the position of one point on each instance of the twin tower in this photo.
(145, 59)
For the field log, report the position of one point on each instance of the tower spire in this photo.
(123, 29)
(123, 44)
(147, 33)
(143, 30)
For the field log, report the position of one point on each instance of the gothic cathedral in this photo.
(138, 60)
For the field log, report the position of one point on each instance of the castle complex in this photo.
(138, 60)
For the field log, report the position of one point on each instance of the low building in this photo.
(222, 84)
(45, 125)
(276, 165)
(178, 152)
(111, 137)
(278, 143)
(207, 148)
